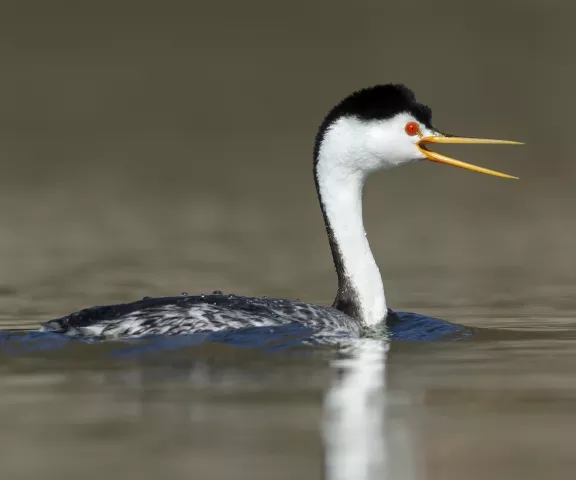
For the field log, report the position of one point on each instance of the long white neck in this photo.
(341, 167)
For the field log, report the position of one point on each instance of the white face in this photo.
(374, 145)
(390, 141)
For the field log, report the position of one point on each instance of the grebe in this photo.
(376, 128)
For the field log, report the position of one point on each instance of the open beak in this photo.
(437, 157)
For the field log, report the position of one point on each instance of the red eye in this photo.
(412, 128)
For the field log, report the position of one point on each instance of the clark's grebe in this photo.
(376, 128)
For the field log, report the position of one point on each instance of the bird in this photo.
(375, 128)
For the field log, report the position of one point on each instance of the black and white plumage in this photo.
(187, 314)
(373, 129)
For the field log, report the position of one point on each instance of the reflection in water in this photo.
(354, 416)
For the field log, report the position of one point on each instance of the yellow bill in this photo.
(437, 157)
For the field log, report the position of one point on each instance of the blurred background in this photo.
(150, 148)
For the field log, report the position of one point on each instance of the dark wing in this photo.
(197, 314)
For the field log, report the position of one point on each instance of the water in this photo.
(151, 152)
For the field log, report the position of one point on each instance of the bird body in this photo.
(187, 314)
(376, 128)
